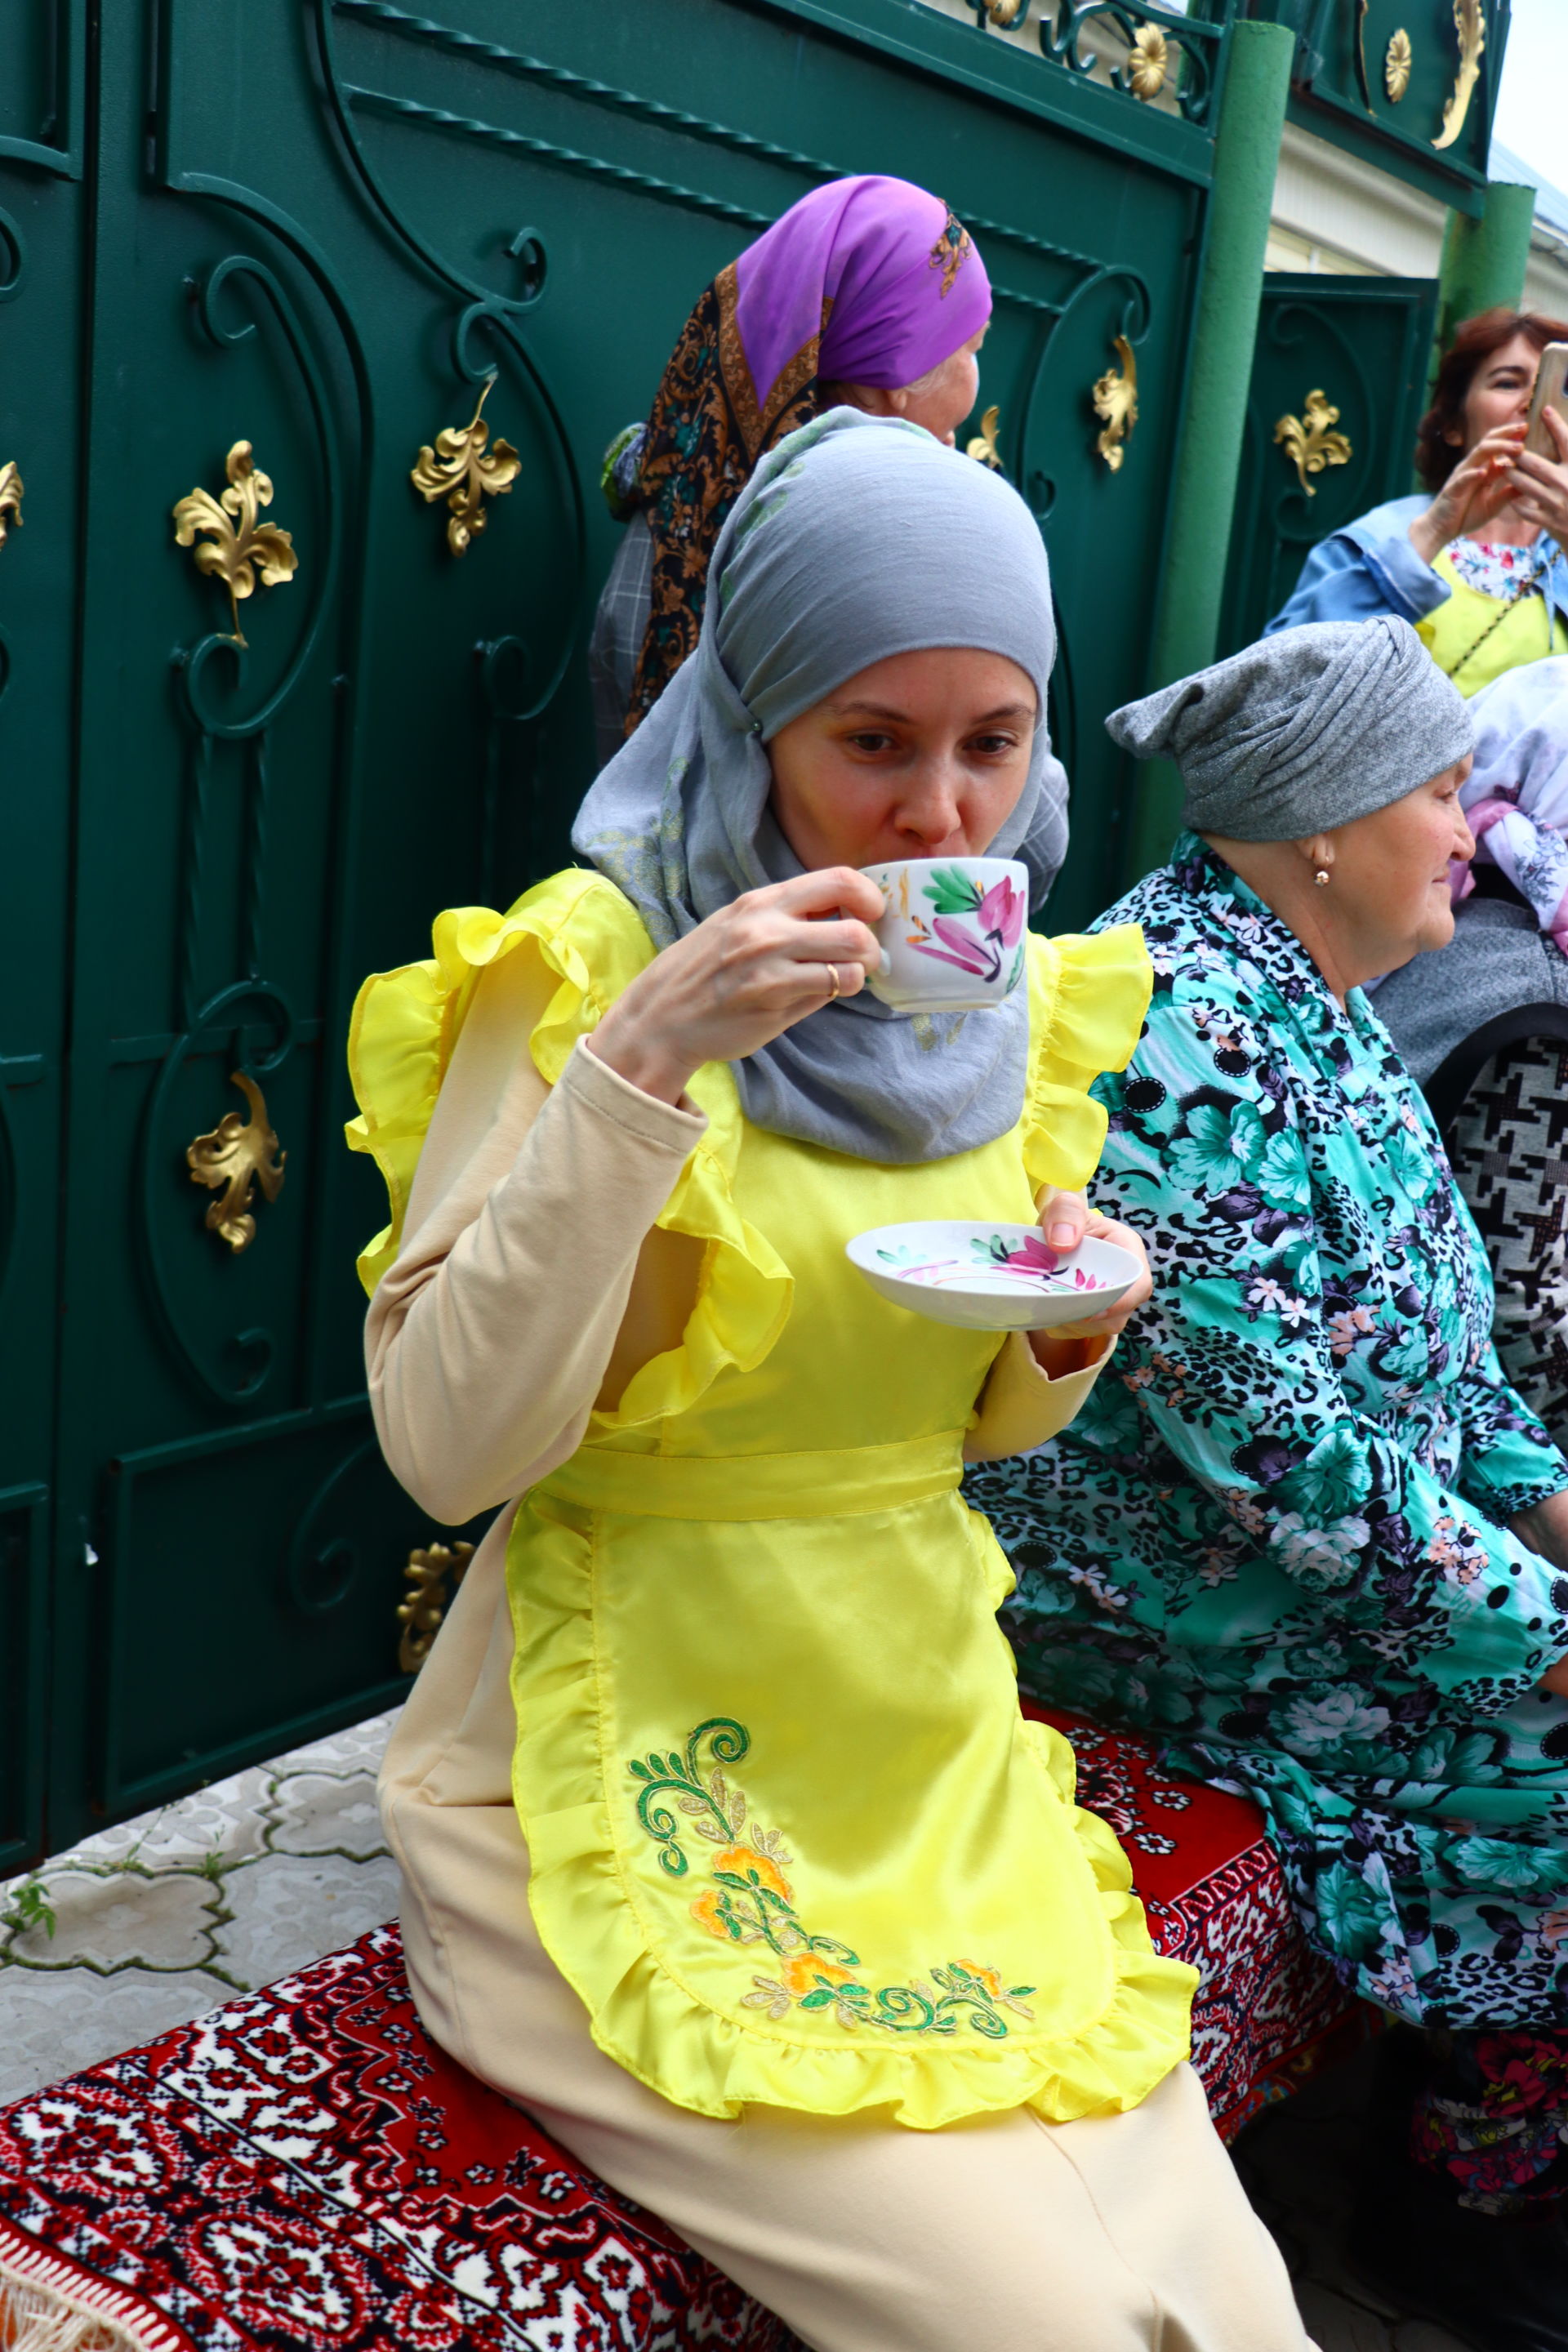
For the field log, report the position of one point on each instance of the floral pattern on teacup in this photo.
(971, 929)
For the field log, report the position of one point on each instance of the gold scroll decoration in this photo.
(461, 471)
(1309, 441)
(1115, 398)
(11, 492)
(1148, 63)
(432, 1574)
(1470, 24)
(236, 546)
(239, 1154)
(1396, 65)
(982, 445)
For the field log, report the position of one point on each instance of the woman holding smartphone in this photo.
(1476, 562)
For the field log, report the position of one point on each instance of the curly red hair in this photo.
(1474, 341)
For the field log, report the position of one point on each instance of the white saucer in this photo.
(991, 1277)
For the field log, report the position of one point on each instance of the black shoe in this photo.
(1498, 2283)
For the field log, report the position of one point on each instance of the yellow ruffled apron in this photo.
(790, 1839)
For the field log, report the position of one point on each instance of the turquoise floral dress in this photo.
(1277, 1537)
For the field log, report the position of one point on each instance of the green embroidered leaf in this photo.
(951, 892)
(1017, 1992)
(640, 1770)
(817, 2000)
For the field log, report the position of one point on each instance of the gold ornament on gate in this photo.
(432, 1574)
(982, 445)
(1115, 398)
(461, 471)
(237, 549)
(1396, 65)
(1470, 24)
(1148, 63)
(1309, 443)
(11, 492)
(239, 1154)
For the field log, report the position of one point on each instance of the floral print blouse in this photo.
(1279, 1536)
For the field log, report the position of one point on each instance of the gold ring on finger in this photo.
(833, 977)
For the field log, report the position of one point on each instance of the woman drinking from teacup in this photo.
(726, 1852)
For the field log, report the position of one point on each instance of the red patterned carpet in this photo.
(304, 2171)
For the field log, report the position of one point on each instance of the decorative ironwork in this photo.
(456, 42)
(11, 492)
(239, 549)
(462, 471)
(432, 1574)
(1115, 397)
(1470, 25)
(239, 1154)
(1396, 65)
(1361, 8)
(982, 445)
(1309, 443)
(1157, 42)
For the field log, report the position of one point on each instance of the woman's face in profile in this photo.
(922, 755)
(1390, 880)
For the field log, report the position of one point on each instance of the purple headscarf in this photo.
(876, 269)
(867, 280)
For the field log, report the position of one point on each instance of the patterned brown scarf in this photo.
(705, 434)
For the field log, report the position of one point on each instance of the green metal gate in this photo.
(1338, 386)
(318, 227)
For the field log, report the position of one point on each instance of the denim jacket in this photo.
(1370, 567)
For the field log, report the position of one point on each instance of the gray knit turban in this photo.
(1303, 731)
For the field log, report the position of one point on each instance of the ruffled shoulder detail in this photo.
(1088, 993)
(592, 942)
(406, 1023)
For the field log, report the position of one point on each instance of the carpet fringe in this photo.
(35, 2317)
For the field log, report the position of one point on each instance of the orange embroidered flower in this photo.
(744, 1861)
(705, 1911)
(990, 1978)
(806, 1972)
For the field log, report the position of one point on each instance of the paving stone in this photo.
(320, 1813)
(52, 2025)
(288, 1910)
(110, 1922)
(224, 1818)
(358, 1749)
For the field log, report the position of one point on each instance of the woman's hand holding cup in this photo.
(742, 978)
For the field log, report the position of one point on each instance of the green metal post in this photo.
(1208, 457)
(1484, 261)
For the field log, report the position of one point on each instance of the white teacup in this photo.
(953, 936)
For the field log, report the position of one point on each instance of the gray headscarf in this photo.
(856, 538)
(1304, 731)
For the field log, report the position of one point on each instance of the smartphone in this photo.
(1549, 380)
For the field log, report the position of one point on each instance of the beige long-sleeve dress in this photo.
(529, 1290)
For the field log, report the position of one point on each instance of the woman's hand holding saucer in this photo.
(741, 977)
(1067, 1219)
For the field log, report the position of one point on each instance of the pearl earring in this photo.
(1321, 877)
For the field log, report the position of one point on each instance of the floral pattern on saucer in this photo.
(1030, 1261)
